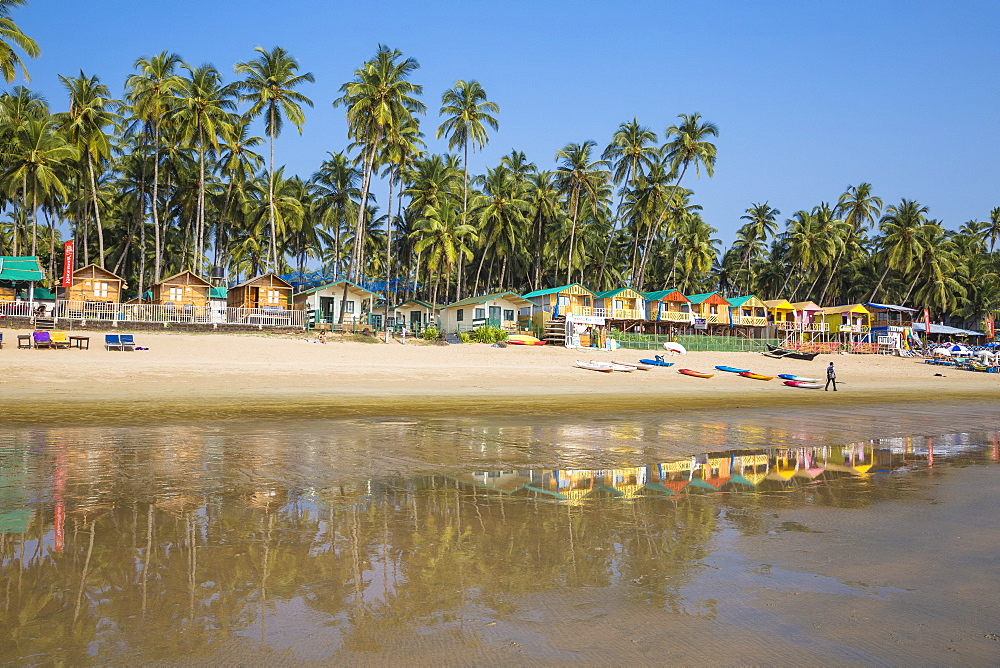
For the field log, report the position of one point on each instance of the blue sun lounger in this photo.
(127, 341)
(112, 342)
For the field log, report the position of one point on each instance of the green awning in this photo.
(20, 268)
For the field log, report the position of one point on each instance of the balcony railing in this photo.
(787, 326)
(179, 313)
(855, 329)
(620, 313)
(16, 309)
(749, 320)
(673, 316)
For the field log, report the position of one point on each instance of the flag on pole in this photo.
(68, 253)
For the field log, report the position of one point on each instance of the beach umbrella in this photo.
(942, 351)
(959, 348)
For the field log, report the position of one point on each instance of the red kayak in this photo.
(696, 374)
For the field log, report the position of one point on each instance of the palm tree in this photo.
(993, 229)
(578, 175)
(446, 240)
(335, 187)
(202, 112)
(502, 212)
(90, 113)
(378, 99)
(238, 163)
(269, 84)
(151, 94)
(901, 241)
(752, 237)
(686, 145)
(631, 152)
(37, 156)
(466, 113)
(11, 38)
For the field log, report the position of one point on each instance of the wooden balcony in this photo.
(672, 316)
(620, 313)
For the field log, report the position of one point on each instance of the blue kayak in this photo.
(657, 362)
(801, 379)
(732, 369)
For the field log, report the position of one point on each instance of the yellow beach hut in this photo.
(747, 311)
(781, 315)
(668, 306)
(848, 319)
(711, 307)
(620, 304)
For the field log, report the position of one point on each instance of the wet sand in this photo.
(364, 541)
(185, 376)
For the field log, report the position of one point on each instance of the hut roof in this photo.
(747, 300)
(607, 294)
(890, 307)
(333, 285)
(170, 279)
(779, 303)
(806, 306)
(709, 297)
(580, 290)
(847, 308)
(251, 281)
(25, 268)
(419, 303)
(93, 269)
(482, 299)
(670, 295)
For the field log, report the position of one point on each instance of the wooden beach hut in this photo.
(810, 317)
(573, 299)
(499, 309)
(183, 295)
(748, 312)
(710, 310)
(94, 284)
(269, 292)
(848, 319)
(324, 302)
(667, 311)
(781, 316)
(620, 304)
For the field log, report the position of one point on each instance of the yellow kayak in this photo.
(756, 376)
(524, 340)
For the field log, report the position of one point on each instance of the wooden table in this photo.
(24, 340)
(81, 342)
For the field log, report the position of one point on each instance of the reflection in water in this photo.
(160, 544)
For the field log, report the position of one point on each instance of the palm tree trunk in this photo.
(34, 216)
(877, 287)
(916, 277)
(614, 227)
(158, 250)
(359, 225)
(270, 193)
(200, 216)
(572, 236)
(388, 255)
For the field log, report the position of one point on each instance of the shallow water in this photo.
(498, 539)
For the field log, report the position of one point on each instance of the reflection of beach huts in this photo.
(499, 309)
(324, 302)
(620, 304)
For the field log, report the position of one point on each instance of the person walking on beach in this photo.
(831, 377)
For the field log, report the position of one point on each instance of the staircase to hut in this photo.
(555, 331)
(44, 324)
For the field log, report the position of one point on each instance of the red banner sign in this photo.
(68, 252)
(990, 330)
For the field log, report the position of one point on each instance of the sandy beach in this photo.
(188, 375)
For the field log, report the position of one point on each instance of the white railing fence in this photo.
(16, 309)
(179, 313)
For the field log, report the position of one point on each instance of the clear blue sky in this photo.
(809, 97)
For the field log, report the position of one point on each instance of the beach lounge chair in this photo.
(1, 339)
(60, 340)
(127, 341)
(42, 340)
(112, 342)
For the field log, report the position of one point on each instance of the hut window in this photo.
(349, 307)
(508, 314)
(273, 297)
(176, 294)
(460, 315)
(100, 289)
(480, 313)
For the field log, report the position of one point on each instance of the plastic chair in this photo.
(112, 342)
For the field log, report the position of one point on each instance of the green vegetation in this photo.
(488, 334)
(169, 178)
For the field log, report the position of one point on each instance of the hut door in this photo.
(326, 308)
(254, 297)
(495, 315)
